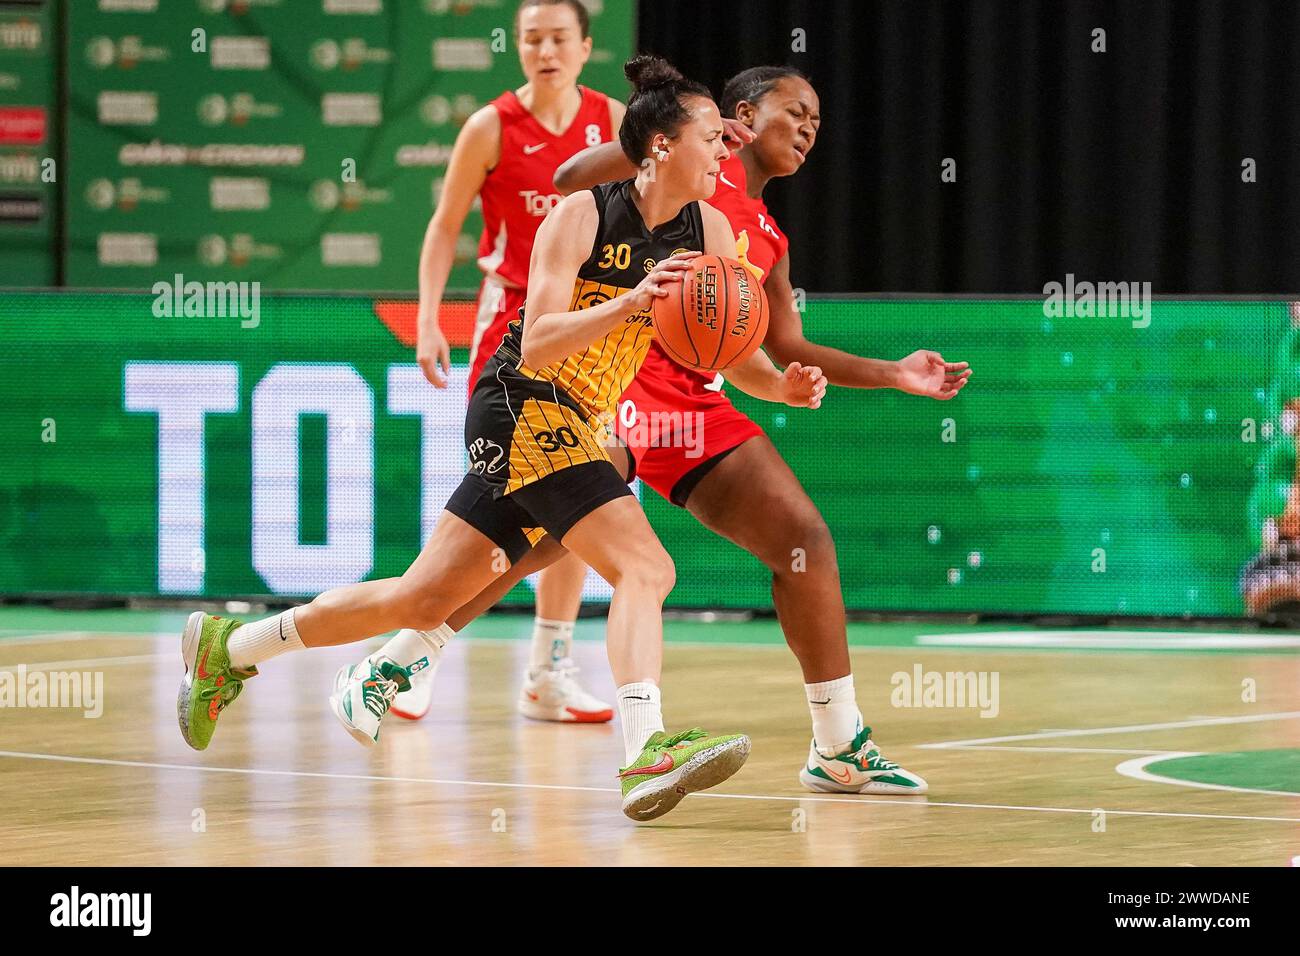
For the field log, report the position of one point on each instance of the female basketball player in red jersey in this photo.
(739, 462)
(781, 109)
(506, 155)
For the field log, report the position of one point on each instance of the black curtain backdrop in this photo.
(1118, 166)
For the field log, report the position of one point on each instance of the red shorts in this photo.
(677, 426)
(498, 306)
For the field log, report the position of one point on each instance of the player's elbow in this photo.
(534, 353)
(565, 180)
(441, 233)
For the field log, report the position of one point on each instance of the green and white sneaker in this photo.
(364, 693)
(210, 683)
(862, 770)
(671, 766)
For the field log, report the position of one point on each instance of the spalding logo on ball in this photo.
(714, 318)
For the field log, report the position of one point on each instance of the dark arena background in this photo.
(1071, 590)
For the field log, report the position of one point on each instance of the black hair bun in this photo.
(646, 73)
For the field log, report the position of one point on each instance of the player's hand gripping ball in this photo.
(715, 317)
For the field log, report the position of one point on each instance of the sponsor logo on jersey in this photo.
(539, 204)
(742, 254)
(486, 457)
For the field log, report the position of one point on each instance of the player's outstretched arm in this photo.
(553, 332)
(591, 167)
(921, 373)
(607, 162)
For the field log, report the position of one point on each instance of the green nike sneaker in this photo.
(863, 769)
(671, 766)
(210, 683)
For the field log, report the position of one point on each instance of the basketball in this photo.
(715, 317)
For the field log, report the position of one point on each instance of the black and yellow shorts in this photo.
(537, 463)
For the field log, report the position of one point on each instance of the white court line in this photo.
(1136, 769)
(58, 637)
(1112, 640)
(1096, 731)
(84, 663)
(1065, 750)
(875, 801)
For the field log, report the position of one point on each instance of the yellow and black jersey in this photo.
(624, 253)
(523, 423)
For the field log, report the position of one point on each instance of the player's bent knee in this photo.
(655, 574)
(422, 611)
(667, 580)
(806, 545)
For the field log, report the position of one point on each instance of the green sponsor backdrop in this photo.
(28, 144)
(1090, 466)
(210, 137)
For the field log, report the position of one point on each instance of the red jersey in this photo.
(519, 191)
(759, 245)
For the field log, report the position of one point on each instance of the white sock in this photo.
(835, 715)
(641, 714)
(262, 640)
(552, 641)
(409, 646)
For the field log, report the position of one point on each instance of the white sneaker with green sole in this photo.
(363, 694)
(863, 769)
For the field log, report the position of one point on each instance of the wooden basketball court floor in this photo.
(1068, 772)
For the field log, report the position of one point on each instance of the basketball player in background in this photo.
(506, 156)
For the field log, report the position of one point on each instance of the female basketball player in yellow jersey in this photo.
(535, 430)
(505, 156)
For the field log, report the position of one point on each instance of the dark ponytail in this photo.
(655, 105)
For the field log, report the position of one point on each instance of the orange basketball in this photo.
(715, 317)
